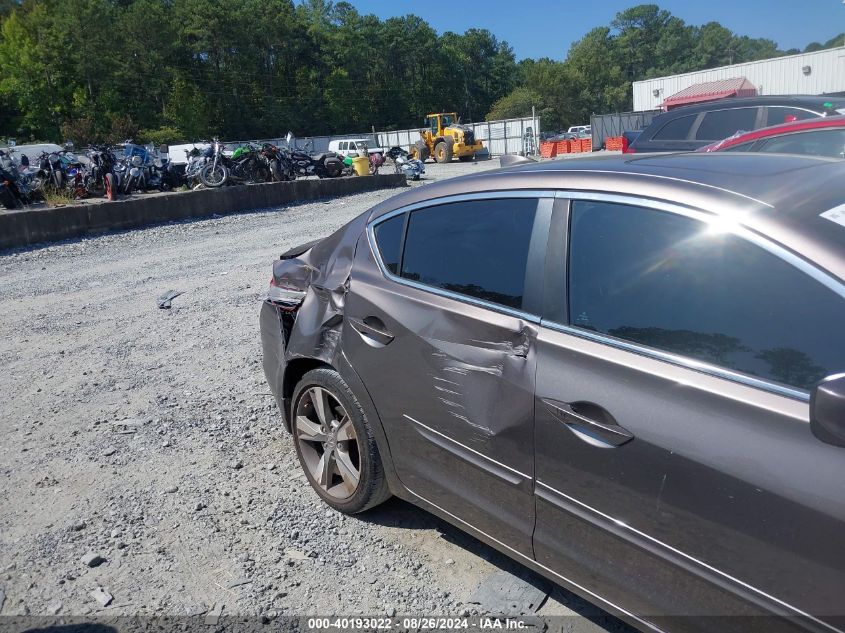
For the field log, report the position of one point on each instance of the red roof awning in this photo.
(711, 91)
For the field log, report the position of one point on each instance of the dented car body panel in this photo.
(654, 485)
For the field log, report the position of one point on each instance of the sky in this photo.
(546, 28)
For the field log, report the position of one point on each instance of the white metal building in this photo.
(816, 73)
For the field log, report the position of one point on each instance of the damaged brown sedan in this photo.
(625, 373)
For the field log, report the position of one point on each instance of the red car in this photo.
(823, 136)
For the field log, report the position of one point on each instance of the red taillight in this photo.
(624, 145)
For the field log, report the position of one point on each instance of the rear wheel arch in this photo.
(294, 371)
(298, 367)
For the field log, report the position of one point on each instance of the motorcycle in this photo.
(279, 162)
(101, 179)
(196, 160)
(25, 180)
(246, 165)
(51, 174)
(11, 196)
(403, 163)
(324, 165)
(143, 169)
(75, 172)
(376, 161)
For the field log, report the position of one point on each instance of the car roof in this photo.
(786, 128)
(781, 196)
(809, 101)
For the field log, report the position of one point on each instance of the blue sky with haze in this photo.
(546, 28)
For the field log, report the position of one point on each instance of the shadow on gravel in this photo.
(401, 514)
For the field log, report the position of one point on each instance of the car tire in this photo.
(327, 419)
(421, 150)
(443, 151)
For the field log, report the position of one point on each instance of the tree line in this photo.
(173, 70)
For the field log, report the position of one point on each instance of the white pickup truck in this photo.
(354, 147)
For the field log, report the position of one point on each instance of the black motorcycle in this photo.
(279, 162)
(10, 195)
(323, 165)
(51, 172)
(101, 178)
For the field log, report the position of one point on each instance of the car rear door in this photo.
(676, 474)
(442, 316)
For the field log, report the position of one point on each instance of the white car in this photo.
(354, 147)
(580, 130)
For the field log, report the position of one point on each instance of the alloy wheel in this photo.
(328, 443)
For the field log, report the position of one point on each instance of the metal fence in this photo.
(605, 125)
(499, 137)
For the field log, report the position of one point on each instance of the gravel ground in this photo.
(144, 470)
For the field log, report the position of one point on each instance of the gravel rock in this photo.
(238, 582)
(102, 596)
(92, 559)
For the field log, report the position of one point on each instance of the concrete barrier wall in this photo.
(32, 226)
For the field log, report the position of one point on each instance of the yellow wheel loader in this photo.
(445, 138)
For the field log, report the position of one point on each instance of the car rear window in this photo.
(675, 284)
(388, 236)
(477, 248)
(724, 123)
(775, 115)
(677, 129)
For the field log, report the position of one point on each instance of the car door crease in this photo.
(470, 455)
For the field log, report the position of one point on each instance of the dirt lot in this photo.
(148, 438)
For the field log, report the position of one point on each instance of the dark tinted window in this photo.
(477, 248)
(675, 284)
(389, 239)
(677, 129)
(776, 115)
(829, 142)
(724, 123)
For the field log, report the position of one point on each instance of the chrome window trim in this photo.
(434, 202)
(734, 228)
(682, 361)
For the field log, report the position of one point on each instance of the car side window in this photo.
(829, 142)
(677, 129)
(677, 285)
(477, 248)
(721, 124)
(388, 236)
(775, 115)
(742, 147)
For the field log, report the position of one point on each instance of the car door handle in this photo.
(590, 423)
(372, 329)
